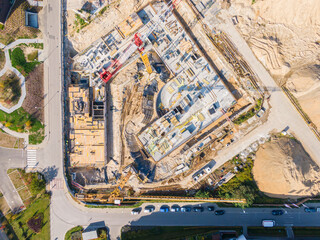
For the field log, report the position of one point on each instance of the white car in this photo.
(208, 169)
(196, 178)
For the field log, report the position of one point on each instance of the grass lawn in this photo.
(33, 56)
(4, 207)
(74, 232)
(21, 121)
(306, 231)
(19, 223)
(160, 233)
(16, 179)
(36, 137)
(24, 194)
(245, 116)
(262, 231)
(9, 141)
(36, 45)
(19, 61)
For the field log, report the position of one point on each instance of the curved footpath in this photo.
(8, 66)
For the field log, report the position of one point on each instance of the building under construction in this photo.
(190, 101)
(86, 126)
(194, 99)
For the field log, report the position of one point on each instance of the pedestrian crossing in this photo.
(31, 158)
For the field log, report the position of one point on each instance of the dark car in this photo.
(175, 208)
(149, 209)
(219, 212)
(198, 209)
(186, 209)
(136, 211)
(164, 209)
(310, 209)
(210, 208)
(277, 212)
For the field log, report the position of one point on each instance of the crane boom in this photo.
(137, 44)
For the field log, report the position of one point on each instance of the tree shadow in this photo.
(50, 173)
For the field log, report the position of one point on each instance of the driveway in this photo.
(11, 158)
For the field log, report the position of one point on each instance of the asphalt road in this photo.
(114, 219)
(11, 158)
(65, 213)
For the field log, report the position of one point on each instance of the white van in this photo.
(268, 223)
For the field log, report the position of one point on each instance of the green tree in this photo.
(37, 184)
(244, 192)
(203, 194)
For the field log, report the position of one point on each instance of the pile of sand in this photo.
(284, 35)
(282, 168)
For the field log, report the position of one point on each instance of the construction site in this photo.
(150, 108)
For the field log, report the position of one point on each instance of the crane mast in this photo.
(137, 43)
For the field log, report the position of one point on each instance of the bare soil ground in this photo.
(33, 103)
(283, 168)
(284, 35)
(15, 25)
(100, 26)
(9, 141)
(16, 179)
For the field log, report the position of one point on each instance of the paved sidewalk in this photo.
(290, 234)
(35, 3)
(11, 158)
(22, 40)
(3, 236)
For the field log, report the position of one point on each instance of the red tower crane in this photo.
(136, 44)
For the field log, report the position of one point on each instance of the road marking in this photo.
(31, 158)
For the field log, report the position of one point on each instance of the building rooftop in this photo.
(5, 6)
(194, 99)
(90, 235)
(86, 131)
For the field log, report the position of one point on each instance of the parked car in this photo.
(136, 211)
(208, 169)
(196, 178)
(210, 181)
(164, 209)
(268, 223)
(186, 209)
(198, 209)
(277, 212)
(210, 208)
(219, 212)
(175, 208)
(310, 209)
(149, 209)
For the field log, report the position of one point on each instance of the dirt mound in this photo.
(283, 34)
(284, 169)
